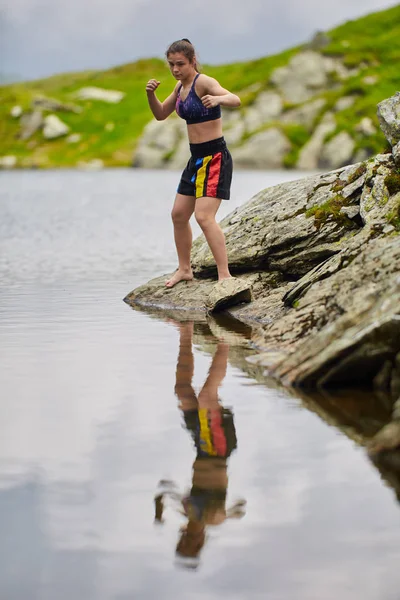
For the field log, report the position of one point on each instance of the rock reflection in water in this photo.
(212, 429)
(361, 415)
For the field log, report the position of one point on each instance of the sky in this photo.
(42, 37)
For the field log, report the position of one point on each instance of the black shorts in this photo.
(208, 172)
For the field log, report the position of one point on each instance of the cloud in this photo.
(40, 37)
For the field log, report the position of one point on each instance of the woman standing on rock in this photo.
(207, 177)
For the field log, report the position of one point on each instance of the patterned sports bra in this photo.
(191, 108)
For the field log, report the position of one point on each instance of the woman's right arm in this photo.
(161, 110)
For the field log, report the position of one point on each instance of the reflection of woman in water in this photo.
(213, 432)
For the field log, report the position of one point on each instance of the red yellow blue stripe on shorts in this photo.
(206, 177)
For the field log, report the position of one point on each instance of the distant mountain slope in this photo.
(365, 53)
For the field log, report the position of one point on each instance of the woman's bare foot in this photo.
(179, 275)
(223, 277)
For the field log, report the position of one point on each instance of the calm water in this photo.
(92, 420)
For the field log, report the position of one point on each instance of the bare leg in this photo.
(181, 213)
(208, 396)
(205, 211)
(184, 368)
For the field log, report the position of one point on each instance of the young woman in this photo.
(206, 179)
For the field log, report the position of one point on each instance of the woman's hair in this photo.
(185, 47)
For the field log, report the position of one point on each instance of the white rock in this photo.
(96, 93)
(264, 150)
(234, 134)
(338, 151)
(361, 154)
(110, 126)
(16, 111)
(366, 126)
(305, 74)
(344, 103)
(8, 161)
(267, 107)
(148, 158)
(53, 127)
(310, 153)
(306, 114)
(370, 79)
(180, 156)
(96, 164)
(350, 211)
(30, 123)
(74, 138)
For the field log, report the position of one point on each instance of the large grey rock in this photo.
(376, 203)
(360, 326)
(30, 122)
(181, 155)
(310, 153)
(51, 104)
(190, 295)
(273, 228)
(149, 158)
(396, 153)
(159, 143)
(265, 150)
(234, 134)
(228, 292)
(267, 107)
(389, 118)
(16, 111)
(96, 93)
(337, 152)
(305, 74)
(344, 103)
(305, 114)
(8, 162)
(366, 127)
(53, 127)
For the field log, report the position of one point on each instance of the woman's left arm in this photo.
(215, 95)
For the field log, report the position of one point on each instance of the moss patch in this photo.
(392, 182)
(330, 210)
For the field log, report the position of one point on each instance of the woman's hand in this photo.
(210, 101)
(152, 85)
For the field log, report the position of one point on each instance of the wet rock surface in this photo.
(322, 256)
(228, 292)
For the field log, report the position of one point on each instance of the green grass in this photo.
(373, 41)
(330, 210)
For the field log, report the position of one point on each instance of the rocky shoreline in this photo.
(322, 256)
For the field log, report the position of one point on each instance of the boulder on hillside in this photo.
(389, 119)
(265, 150)
(337, 152)
(51, 104)
(30, 122)
(267, 107)
(53, 127)
(310, 153)
(96, 93)
(159, 142)
(306, 74)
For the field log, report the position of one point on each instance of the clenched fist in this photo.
(210, 101)
(152, 85)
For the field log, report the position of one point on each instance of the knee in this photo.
(204, 219)
(179, 217)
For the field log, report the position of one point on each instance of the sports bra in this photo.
(191, 108)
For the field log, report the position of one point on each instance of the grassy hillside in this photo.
(373, 41)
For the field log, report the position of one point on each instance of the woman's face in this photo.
(180, 66)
